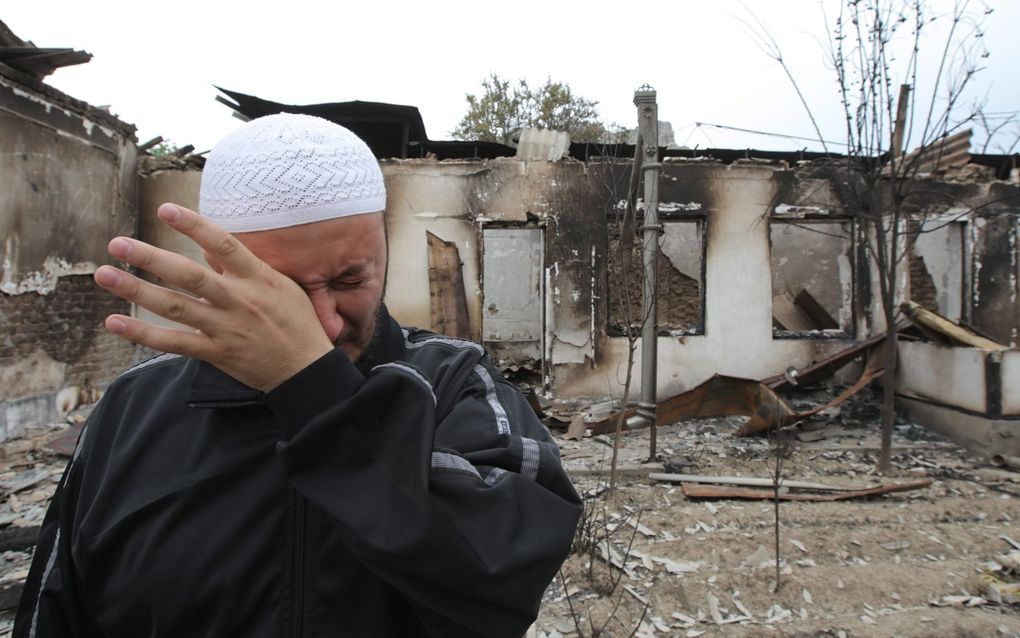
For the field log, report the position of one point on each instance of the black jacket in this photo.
(417, 495)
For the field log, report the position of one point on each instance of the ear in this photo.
(209, 259)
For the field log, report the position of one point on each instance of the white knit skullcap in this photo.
(288, 169)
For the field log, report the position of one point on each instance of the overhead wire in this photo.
(767, 133)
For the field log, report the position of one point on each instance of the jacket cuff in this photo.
(328, 381)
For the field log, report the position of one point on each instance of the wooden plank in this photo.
(718, 396)
(814, 310)
(749, 481)
(786, 313)
(873, 370)
(447, 298)
(65, 443)
(932, 320)
(732, 396)
(695, 490)
(150, 144)
(826, 367)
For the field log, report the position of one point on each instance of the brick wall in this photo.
(64, 330)
(922, 285)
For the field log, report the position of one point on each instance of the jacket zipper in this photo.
(298, 570)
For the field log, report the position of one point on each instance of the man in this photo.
(299, 465)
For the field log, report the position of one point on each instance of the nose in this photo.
(328, 313)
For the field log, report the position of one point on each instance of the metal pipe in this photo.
(648, 138)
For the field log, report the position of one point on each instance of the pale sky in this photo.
(155, 64)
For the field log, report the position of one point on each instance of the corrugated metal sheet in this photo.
(949, 152)
(542, 144)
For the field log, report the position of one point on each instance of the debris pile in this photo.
(30, 469)
(906, 556)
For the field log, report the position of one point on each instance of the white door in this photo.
(512, 288)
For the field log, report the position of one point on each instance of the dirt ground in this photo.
(904, 564)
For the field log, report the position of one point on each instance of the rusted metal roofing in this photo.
(390, 130)
(952, 151)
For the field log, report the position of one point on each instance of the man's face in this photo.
(341, 265)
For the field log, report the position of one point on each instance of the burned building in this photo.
(762, 266)
(68, 173)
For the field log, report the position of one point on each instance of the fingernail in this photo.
(120, 248)
(169, 212)
(107, 277)
(116, 325)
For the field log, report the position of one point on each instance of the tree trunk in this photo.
(889, 310)
(888, 395)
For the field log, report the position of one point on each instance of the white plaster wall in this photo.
(407, 291)
(1011, 382)
(682, 366)
(451, 199)
(902, 281)
(941, 246)
(681, 243)
(738, 337)
(949, 375)
(423, 198)
(738, 281)
(178, 187)
(454, 200)
(977, 433)
(420, 198)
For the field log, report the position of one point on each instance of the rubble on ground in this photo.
(913, 563)
(934, 560)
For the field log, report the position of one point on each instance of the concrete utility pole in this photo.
(648, 140)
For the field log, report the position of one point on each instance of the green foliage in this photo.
(504, 107)
(163, 149)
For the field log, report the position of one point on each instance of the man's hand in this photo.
(250, 321)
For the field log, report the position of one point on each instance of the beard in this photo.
(364, 347)
(369, 350)
(367, 354)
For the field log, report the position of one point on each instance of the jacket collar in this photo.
(213, 388)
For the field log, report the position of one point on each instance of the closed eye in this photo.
(345, 284)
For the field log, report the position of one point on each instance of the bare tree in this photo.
(624, 279)
(874, 48)
(1002, 131)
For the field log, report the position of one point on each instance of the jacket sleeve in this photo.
(51, 603)
(446, 485)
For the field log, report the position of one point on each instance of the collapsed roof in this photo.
(35, 61)
(398, 131)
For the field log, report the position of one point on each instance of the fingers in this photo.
(175, 269)
(166, 303)
(189, 344)
(224, 247)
